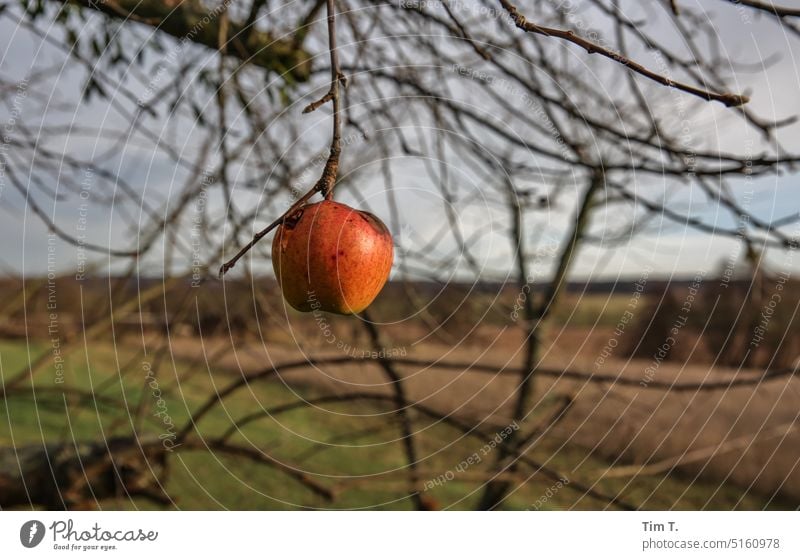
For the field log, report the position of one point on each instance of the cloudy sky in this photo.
(669, 248)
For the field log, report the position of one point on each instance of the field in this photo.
(355, 451)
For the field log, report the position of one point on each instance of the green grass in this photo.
(201, 480)
(590, 310)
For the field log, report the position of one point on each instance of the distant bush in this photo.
(736, 324)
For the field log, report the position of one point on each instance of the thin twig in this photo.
(328, 179)
(728, 99)
(257, 237)
(770, 8)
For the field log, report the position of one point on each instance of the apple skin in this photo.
(332, 257)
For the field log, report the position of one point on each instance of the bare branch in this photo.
(770, 8)
(728, 99)
(190, 20)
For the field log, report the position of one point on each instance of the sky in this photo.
(667, 248)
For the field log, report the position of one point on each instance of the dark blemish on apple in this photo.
(341, 253)
(290, 222)
(373, 221)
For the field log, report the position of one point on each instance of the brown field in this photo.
(746, 436)
(650, 444)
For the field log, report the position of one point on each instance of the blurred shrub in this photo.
(735, 323)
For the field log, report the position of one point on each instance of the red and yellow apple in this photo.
(332, 257)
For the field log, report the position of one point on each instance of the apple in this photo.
(332, 257)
